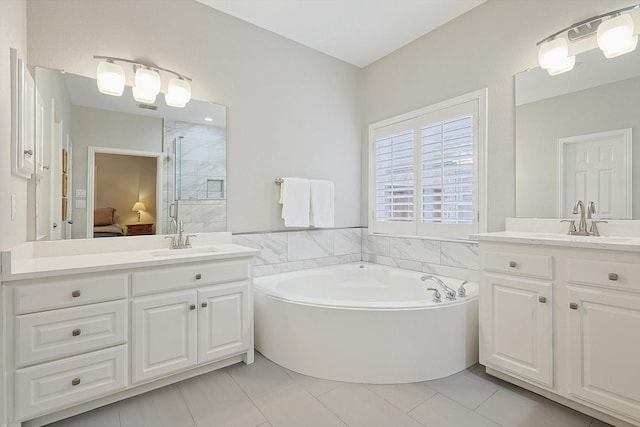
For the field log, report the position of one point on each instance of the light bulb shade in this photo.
(110, 78)
(563, 66)
(138, 206)
(615, 36)
(147, 86)
(553, 54)
(178, 93)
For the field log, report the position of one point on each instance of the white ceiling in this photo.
(356, 31)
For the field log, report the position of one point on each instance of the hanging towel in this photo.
(294, 198)
(322, 203)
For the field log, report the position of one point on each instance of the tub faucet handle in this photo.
(462, 292)
(436, 294)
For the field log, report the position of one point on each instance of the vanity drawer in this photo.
(59, 333)
(540, 266)
(56, 385)
(70, 292)
(165, 279)
(620, 275)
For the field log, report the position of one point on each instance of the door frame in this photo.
(562, 149)
(91, 176)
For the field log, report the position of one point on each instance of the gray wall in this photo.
(483, 48)
(541, 124)
(292, 110)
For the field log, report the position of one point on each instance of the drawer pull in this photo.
(198, 276)
(512, 264)
(542, 299)
(573, 306)
(75, 294)
(76, 332)
(192, 307)
(204, 305)
(75, 381)
(613, 276)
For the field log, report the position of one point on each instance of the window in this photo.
(425, 175)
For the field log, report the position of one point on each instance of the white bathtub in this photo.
(365, 323)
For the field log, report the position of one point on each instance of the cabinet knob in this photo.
(76, 332)
(75, 294)
(573, 306)
(512, 264)
(75, 381)
(192, 307)
(542, 299)
(198, 276)
(204, 305)
(613, 276)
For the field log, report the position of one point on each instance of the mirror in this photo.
(110, 166)
(576, 126)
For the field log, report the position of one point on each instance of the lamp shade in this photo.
(138, 206)
(147, 85)
(178, 93)
(110, 78)
(554, 56)
(616, 36)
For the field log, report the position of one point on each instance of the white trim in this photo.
(627, 134)
(481, 173)
(91, 176)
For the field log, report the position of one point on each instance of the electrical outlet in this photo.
(81, 194)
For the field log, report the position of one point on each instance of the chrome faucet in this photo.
(449, 292)
(582, 225)
(178, 241)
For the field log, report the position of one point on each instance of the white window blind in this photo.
(424, 171)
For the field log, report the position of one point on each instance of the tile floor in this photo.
(266, 395)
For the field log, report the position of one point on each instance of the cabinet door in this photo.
(164, 334)
(517, 322)
(605, 349)
(224, 321)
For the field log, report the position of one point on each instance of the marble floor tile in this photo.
(107, 416)
(464, 389)
(164, 407)
(358, 406)
(215, 399)
(294, 407)
(260, 378)
(315, 386)
(521, 408)
(440, 411)
(404, 396)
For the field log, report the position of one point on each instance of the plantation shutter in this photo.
(394, 175)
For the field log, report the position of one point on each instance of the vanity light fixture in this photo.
(111, 81)
(615, 32)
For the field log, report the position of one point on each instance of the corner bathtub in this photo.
(364, 323)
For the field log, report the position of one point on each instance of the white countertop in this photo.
(20, 268)
(615, 243)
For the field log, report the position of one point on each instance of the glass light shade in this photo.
(178, 93)
(147, 86)
(562, 66)
(110, 78)
(615, 36)
(553, 54)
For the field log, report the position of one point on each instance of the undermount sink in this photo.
(572, 238)
(181, 252)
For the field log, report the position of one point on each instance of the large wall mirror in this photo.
(578, 138)
(109, 166)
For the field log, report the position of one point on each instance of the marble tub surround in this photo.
(282, 252)
(60, 257)
(442, 257)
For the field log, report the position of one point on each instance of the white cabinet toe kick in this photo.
(86, 340)
(564, 322)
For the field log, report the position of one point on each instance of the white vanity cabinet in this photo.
(91, 338)
(564, 322)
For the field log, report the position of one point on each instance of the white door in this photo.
(517, 324)
(224, 321)
(597, 167)
(600, 321)
(55, 231)
(164, 334)
(69, 222)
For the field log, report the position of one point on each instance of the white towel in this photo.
(294, 198)
(322, 203)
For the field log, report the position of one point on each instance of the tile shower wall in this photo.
(298, 250)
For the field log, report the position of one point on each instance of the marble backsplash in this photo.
(298, 250)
